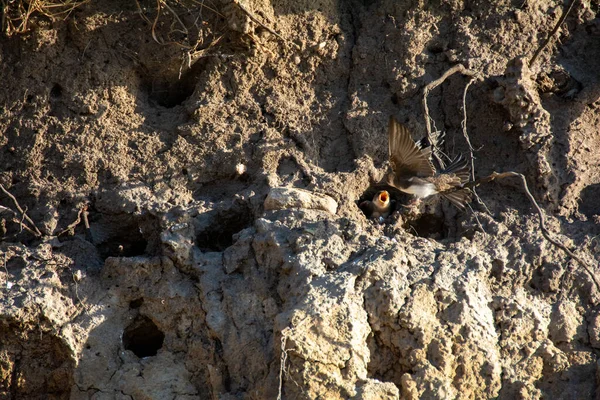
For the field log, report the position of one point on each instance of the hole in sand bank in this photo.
(123, 246)
(34, 364)
(429, 221)
(137, 303)
(125, 240)
(169, 95)
(218, 234)
(428, 226)
(56, 91)
(143, 337)
(123, 235)
(172, 90)
(395, 198)
(588, 200)
(290, 173)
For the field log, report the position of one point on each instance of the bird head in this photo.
(382, 199)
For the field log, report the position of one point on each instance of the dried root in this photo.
(16, 15)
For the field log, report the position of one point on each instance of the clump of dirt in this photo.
(142, 142)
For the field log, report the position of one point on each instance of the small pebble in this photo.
(240, 169)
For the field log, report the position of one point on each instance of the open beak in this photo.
(384, 197)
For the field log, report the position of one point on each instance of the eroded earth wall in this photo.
(142, 138)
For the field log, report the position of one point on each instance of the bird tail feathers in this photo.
(459, 167)
(458, 197)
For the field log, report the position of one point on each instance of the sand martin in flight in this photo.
(413, 172)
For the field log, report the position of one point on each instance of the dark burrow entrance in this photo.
(429, 223)
(123, 235)
(290, 173)
(429, 226)
(588, 200)
(396, 199)
(35, 364)
(222, 226)
(143, 337)
(171, 90)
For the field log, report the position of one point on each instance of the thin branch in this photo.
(142, 12)
(432, 85)
(202, 5)
(19, 222)
(71, 227)
(464, 128)
(471, 150)
(158, 3)
(76, 278)
(24, 215)
(88, 231)
(284, 336)
(475, 215)
(185, 30)
(544, 229)
(558, 24)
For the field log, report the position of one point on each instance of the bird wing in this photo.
(459, 198)
(405, 157)
(367, 207)
(459, 167)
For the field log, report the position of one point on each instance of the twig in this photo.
(284, 336)
(559, 23)
(464, 128)
(142, 12)
(18, 222)
(76, 278)
(185, 30)
(544, 229)
(21, 221)
(256, 20)
(471, 150)
(158, 3)
(202, 5)
(432, 85)
(86, 223)
(34, 230)
(71, 227)
(475, 215)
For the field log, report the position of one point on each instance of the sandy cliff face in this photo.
(171, 131)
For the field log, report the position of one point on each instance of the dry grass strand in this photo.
(16, 15)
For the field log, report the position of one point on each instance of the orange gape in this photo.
(378, 207)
